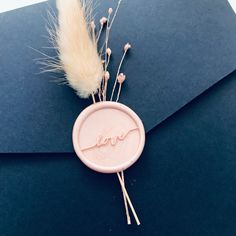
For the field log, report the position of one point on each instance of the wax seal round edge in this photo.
(94, 107)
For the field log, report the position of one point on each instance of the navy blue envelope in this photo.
(179, 81)
(179, 49)
(184, 184)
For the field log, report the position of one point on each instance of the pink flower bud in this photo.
(127, 47)
(110, 10)
(121, 78)
(103, 20)
(108, 51)
(107, 76)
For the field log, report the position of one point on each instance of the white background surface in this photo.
(7, 5)
(233, 4)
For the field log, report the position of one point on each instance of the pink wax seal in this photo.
(108, 137)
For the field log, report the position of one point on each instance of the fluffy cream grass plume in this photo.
(76, 47)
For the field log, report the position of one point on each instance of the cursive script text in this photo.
(102, 140)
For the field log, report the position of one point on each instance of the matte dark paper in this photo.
(179, 49)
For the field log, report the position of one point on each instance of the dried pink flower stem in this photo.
(116, 11)
(103, 21)
(108, 52)
(125, 201)
(108, 29)
(106, 45)
(118, 71)
(109, 25)
(121, 78)
(106, 78)
(118, 95)
(99, 33)
(106, 75)
(106, 41)
(128, 199)
(93, 97)
(100, 91)
(126, 48)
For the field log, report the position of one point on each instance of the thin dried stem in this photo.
(108, 30)
(106, 46)
(115, 14)
(118, 94)
(108, 61)
(102, 48)
(118, 72)
(106, 79)
(93, 97)
(99, 33)
(104, 83)
(105, 90)
(125, 200)
(128, 199)
(99, 94)
(109, 25)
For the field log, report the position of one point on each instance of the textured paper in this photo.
(186, 175)
(179, 49)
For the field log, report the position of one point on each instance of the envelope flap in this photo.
(179, 49)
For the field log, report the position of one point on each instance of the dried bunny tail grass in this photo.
(77, 70)
(47, 62)
(77, 51)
